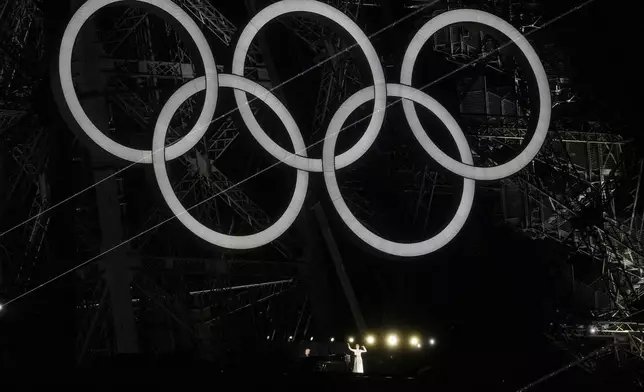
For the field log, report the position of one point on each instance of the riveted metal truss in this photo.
(583, 190)
(9, 118)
(26, 201)
(573, 202)
(21, 34)
(93, 338)
(623, 339)
(248, 296)
(141, 106)
(166, 303)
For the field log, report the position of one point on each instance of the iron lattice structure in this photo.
(183, 304)
(582, 191)
(27, 145)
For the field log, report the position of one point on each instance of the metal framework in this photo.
(210, 181)
(140, 69)
(25, 141)
(582, 190)
(338, 73)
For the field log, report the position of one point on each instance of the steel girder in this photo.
(141, 110)
(582, 190)
(557, 208)
(25, 139)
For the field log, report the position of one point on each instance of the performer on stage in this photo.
(357, 362)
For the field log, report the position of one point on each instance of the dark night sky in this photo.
(490, 293)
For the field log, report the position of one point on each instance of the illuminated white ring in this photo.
(130, 154)
(328, 152)
(317, 8)
(159, 163)
(532, 149)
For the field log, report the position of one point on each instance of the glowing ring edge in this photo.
(317, 8)
(390, 247)
(159, 164)
(532, 149)
(70, 35)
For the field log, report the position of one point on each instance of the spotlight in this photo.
(311, 338)
(351, 340)
(392, 340)
(418, 345)
(432, 341)
(332, 339)
(371, 339)
(593, 330)
(290, 338)
(268, 337)
(414, 341)
(0, 307)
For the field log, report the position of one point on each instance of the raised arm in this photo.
(364, 349)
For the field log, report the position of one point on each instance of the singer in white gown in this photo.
(357, 362)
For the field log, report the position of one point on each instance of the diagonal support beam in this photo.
(339, 268)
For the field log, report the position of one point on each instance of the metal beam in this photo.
(240, 287)
(339, 268)
(116, 264)
(8, 118)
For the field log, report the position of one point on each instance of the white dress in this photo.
(357, 362)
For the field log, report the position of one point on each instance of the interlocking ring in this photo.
(298, 158)
(65, 73)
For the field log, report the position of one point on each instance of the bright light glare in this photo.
(333, 339)
(311, 338)
(414, 341)
(351, 340)
(392, 340)
(0, 307)
(432, 341)
(593, 330)
(418, 345)
(268, 337)
(371, 339)
(290, 338)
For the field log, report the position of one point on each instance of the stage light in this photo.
(268, 337)
(290, 338)
(332, 339)
(311, 338)
(414, 341)
(371, 339)
(392, 340)
(351, 340)
(432, 341)
(418, 345)
(593, 330)
(0, 307)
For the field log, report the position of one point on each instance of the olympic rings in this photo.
(298, 159)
